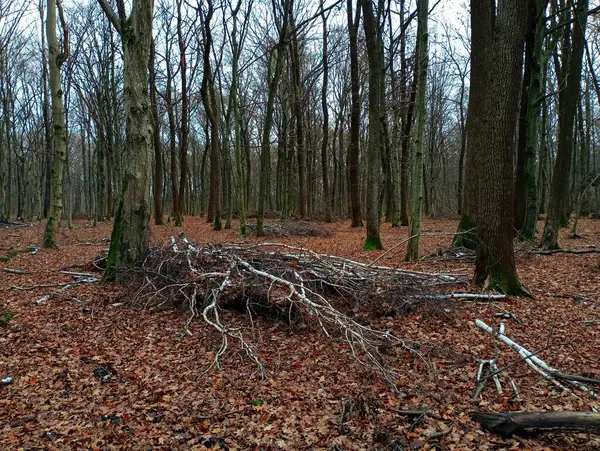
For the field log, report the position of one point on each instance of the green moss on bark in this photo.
(110, 272)
(506, 283)
(373, 244)
(465, 235)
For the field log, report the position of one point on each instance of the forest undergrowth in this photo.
(91, 366)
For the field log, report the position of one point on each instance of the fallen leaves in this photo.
(152, 396)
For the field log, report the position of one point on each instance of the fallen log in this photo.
(531, 423)
(566, 251)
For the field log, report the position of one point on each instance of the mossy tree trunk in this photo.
(416, 201)
(495, 262)
(376, 112)
(131, 229)
(569, 80)
(56, 59)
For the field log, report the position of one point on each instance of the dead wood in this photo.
(284, 282)
(287, 229)
(566, 251)
(531, 423)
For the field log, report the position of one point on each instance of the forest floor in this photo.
(151, 395)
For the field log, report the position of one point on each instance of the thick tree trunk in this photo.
(558, 214)
(481, 14)
(495, 262)
(131, 229)
(56, 59)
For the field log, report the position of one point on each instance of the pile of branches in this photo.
(287, 229)
(297, 284)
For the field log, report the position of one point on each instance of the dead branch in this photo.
(285, 281)
(523, 423)
(473, 296)
(538, 365)
(566, 251)
(14, 271)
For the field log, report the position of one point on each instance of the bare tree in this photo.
(57, 57)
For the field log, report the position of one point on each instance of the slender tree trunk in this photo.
(209, 100)
(273, 77)
(535, 41)
(185, 125)
(157, 192)
(48, 145)
(558, 214)
(353, 146)
(56, 59)
(325, 139)
(301, 150)
(412, 252)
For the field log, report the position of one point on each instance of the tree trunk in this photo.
(376, 112)
(158, 168)
(495, 261)
(301, 150)
(273, 76)
(327, 204)
(207, 90)
(535, 42)
(572, 55)
(481, 14)
(353, 147)
(412, 252)
(131, 229)
(56, 59)
(185, 125)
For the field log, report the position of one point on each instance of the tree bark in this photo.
(56, 59)
(572, 55)
(131, 229)
(481, 15)
(158, 168)
(376, 112)
(327, 203)
(412, 252)
(273, 76)
(495, 262)
(185, 125)
(353, 146)
(527, 423)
